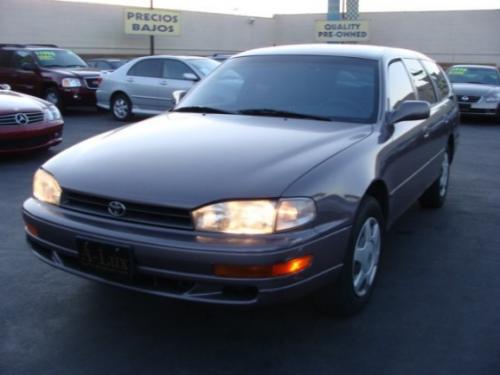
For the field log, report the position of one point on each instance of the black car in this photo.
(106, 64)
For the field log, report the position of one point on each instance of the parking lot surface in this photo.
(436, 308)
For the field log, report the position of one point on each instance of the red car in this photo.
(27, 123)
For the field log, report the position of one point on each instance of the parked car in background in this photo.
(145, 85)
(57, 75)
(106, 64)
(477, 88)
(220, 57)
(275, 177)
(27, 123)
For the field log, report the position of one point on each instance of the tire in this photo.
(52, 95)
(121, 108)
(435, 195)
(352, 290)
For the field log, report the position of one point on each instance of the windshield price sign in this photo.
(142, 21)
(342, 31)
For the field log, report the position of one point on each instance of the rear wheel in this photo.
(435, 195)
(121, 107)
(351, 292)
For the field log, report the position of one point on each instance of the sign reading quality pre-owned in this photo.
(342, 31)
(143, 21)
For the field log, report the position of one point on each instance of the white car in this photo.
(145, 85)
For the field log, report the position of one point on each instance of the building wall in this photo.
(98, 29)
(456, 36)
(90, 29)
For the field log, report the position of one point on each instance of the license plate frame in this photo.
(106, 257)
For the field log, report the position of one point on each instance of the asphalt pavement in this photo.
(435, 310)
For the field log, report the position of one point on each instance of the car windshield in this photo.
(322, 87)
(463, 74)
(204, 66)
(58, 58)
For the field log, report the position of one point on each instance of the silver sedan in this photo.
(145, 85)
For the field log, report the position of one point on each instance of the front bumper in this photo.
(26, 138)
(179, 263)
(78, 96)
(480, 108)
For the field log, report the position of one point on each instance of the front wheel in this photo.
(435, 195)
(351, 292)
(121, 107)
(52, 96)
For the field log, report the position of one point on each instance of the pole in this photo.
(151, 37)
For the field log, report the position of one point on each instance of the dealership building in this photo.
(92, 29)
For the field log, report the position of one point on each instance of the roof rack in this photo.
(17, 45)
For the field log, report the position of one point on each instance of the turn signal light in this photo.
(287, 268)
(31, 229)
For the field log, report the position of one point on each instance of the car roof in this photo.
(345, 50)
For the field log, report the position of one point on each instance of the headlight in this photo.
(51, 113)
(71, 82)
(46, 188)
(493, 97)
(255, 216)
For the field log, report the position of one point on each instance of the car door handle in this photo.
(163, 83)
(130, 80)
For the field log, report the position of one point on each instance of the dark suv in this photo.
(54, 74)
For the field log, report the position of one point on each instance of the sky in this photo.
(267, 8)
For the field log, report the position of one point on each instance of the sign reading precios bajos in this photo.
(342, 31)
(142, 21)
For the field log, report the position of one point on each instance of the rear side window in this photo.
(422, 81)
(147, 68)
(175, 69)
(5, 58)
(399, 85)
(438, 78)
(22, 57)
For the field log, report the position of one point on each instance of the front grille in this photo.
(468, 98)
(92, 82)
(135, 212)
(32, 118)
(14, 144)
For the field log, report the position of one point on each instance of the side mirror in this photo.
(178, 95)
(4, 86)
(410, 110)
(28, 66)
(190, 77)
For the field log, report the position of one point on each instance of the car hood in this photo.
(187, 160)
(11, 101)
(474, 89)
(75, 72)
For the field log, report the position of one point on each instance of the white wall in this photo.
(89, 29)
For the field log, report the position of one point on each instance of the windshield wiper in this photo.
(475, 82)
(281, 113)
(53, 66)
(202, 109)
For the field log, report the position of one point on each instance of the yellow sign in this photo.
(143, 21)
(342, 31)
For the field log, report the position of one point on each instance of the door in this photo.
(142, 84)
(403, 155)
(174, 79)
(25, 75)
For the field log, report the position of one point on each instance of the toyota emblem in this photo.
(21, 119)
(116, 209)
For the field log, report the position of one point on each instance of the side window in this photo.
(5, 59)
(147, 68)
(174, 69)
(399, 85)
(102, 65)
(20, 58)
(422, 81)
(438, 78)
(92, 64)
